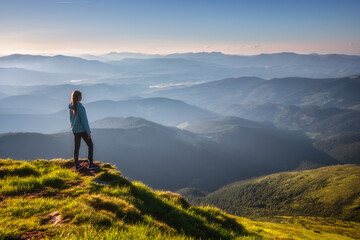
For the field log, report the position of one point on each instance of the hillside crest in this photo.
(47, 199)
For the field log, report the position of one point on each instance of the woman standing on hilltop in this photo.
(80, 128)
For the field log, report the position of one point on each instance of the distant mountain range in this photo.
(283, 60)
(170, 158)
(317, 122)
(244, 139)
(173, 70)
(115, 56)
(29, 104)
(161, 110)
(56, 64)
(23, 77)
(40, 96)
(126, 123)
(319, 107)
(268, 113)
(284, 64)
(120, 68)
(339, 92)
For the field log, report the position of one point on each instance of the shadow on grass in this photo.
(176, 218)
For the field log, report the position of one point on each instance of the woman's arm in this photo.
(84, 120)
(70, 114)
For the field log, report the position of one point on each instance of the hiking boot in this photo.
(79, 167)
(93, 166)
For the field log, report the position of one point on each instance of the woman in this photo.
(80, 128)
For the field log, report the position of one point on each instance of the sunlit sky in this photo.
(166, 26)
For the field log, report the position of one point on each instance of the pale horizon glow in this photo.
(238, 27)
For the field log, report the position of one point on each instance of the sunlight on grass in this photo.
(33, 176)
(109, 206)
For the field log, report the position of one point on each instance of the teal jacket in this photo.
(79, 122)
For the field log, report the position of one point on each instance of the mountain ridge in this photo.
(171, 158)
(329, 191)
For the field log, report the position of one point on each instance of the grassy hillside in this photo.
(326, 192)
(47, 200)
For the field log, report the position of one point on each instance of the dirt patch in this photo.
(85, 171)
(89, 173)
(71, 165)
(44, 193)
(35, 235)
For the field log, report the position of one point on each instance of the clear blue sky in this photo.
(165, 26)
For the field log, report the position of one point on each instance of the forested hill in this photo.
(327, 192)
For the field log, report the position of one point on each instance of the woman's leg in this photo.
(77, 141)
(90, 145)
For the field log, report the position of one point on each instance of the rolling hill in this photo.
(42, 123)
(30, 104)
(24, 77)
(161, 110)
(262, 148)
(170, 158)
(157, 71)
(57, 64)
(284, 64)
(318, 122)
(91, 92)
(126, 123)
(215, 93)
(162, 157)
(343, 147)
(328, 192)
(340, 92)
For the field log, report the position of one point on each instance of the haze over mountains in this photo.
(170, 158)
(191, 120)
(163, 110)
(128, 68)
(216, 95)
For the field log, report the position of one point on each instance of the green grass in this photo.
(46, 200)
(28, 177)
(304, 228)
(331, 191)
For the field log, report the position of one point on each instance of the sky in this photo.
(244, 27)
